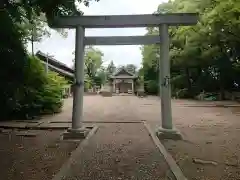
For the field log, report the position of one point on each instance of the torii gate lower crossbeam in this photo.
(160, 20)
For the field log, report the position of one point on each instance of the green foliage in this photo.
(50, 8)
(205, 56)
(25, 89)
(35, 28)
(87, 84)
(25, 98)
(101, 76)
(151, 87)
(92, 61)
(50, 97)
(13, 61)
(39, 94)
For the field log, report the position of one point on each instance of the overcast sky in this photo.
(62, 48)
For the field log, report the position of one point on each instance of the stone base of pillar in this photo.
(75, 134)
(172, 134)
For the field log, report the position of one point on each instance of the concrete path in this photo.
(117, 151)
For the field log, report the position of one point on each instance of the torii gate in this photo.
(163, 21)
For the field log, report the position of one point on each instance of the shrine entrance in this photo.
(124, 87)
(162, 21)
(123, 81)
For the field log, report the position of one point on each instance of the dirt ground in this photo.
(32, 158)
(210, 133)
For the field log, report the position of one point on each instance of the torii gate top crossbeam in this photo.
(118, 21)
(122, 40)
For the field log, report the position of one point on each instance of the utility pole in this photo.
(47, 64)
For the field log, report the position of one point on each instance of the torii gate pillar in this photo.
(167, 130)
(77, 131)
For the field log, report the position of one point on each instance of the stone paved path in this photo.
(119, 151)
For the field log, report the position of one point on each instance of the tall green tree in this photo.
(92, 61)
(203, 57)
(101, 76)
(16, 17)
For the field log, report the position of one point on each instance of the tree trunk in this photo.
(199, 84)
(189, 84)
(32, 42)
(221, 86)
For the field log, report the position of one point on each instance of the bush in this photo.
(40, 93)
(87, 85)
(51, 97)
(151, 87)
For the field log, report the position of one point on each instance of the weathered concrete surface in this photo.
(75, 134)
(172, 134)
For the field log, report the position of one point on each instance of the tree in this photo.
(101, 76)
(94, 72)
(34, 29)
(31, 17)
(110, 70)
(203, 57)
(93, 64)
(131, 68)
(92, 61)
(16, 17)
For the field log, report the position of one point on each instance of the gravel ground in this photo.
(119, 151)
(210, 133)
(32, 158)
